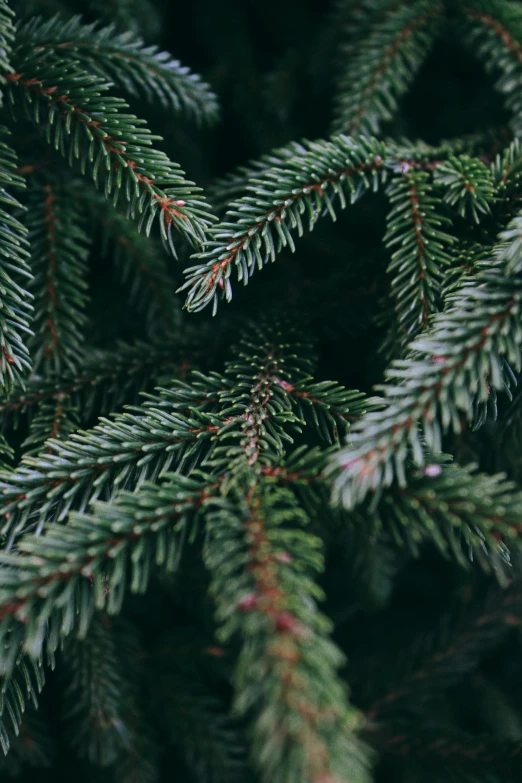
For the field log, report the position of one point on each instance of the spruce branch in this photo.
(421, 250)
(73, 113)
(14, 271)
(59, 250)
(7, 34)
(286, 669)
(99, 706)
(383, 65)
(468, 184)
(469, 516)
(264, 220)
(116, 454)
(122, 58)
(55, 582)
(105, 380)
(449, 370)
(493, 31)
(16, 692)
(55, 419)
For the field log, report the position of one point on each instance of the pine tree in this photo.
(261, 523)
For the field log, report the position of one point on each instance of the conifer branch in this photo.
(457, 509)
(383, 66)
(457, 363)
(421, 255)
(16, 691)
(122, 58)
(116, 454)
(468, 184)
(14, 269)
(59, 249)
(52, 586)
(7, 34)
(83, 123)
(493, 30)
(99, 704)
(55, 419)
(286, 669)
(105, 380)
(264, 221)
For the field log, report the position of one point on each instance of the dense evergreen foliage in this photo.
(261, 461)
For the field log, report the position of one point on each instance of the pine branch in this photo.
(59, 250)
(264, 221)
(55, 419)
(448, 371)
(469, 516)
(57, 580)
(493, 31)
(122, 58)
(105, 381)
(7, 34)
(99, 706)
(15, 299)
(116, 454)
(421, 257)
(383, 66)
(72, 111)
(22, 686)
(285, 675)
(468, 184)
(232, 186)
(506, 171)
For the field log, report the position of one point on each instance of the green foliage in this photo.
(420, 251)
(14, 318)
(382, 65)
(85, 124)
(302, 185)
(469, 186)
(121, 58)
(242, 567)
(59, 249)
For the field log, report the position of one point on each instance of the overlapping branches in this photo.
(286, 671)
(257, 226)
(454, 366)
(122, 58)
(74, 114)
(383, 64)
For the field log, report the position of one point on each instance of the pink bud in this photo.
(284, 557)
(432, 470)
(286, 622)
(180, 203)
(248, 602)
